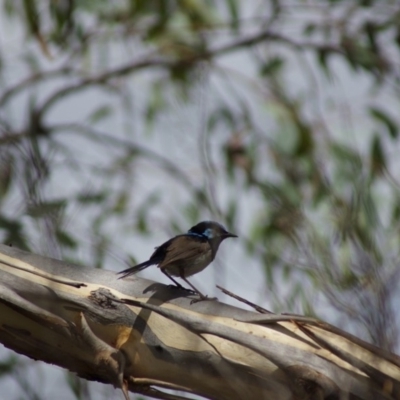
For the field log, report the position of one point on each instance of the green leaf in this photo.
(9, 365)
(6, 174)
(396, 211)
(286, 272)
(14, 233)
(272, 67)
(323, 60)
(156, 103)
(121, 203)
(397, 37)
(143, 212)
(45, 208)
(100, 114)
(192, 212)
(345, 154)
(141, 223)
(383, 118)
(305, 140)
(32, 16)
(222, 114)
(66, 239)
(378, 158)
(10, 224)
(234, 13)
(95, 198)
(310, 28)
(231, 214)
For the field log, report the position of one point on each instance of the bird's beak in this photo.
(228, 234)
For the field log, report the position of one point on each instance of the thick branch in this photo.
(137, 334)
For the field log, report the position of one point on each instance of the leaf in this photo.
(141, 224)
(286, 272)
(231, 215)
(310, 28)
(66, 239)
(397, 37)
(370, 29)
(305, 141)
(45, 208)
(100, 114)
(87, 198)
(273, 66)
(234, 14)
(345, 154)
(10, 7)
(6, 174)
(192, 212)
(156, 103)
(396, 211)
(378, 158)
(9, 365)
(32, 16)
(268, 267)
(10, 225)
(222, 114)
(323, 61)
(143, 212)
(121, 203)
(383, 118)
(14, 233)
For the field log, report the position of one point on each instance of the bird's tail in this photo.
(134, 269)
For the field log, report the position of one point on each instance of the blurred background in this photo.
(124, 123)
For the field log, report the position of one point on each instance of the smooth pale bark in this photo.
(140, 335)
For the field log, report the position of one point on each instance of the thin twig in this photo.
(33, 79)
(77, 285)
(146, 387)
(242, 300)
(155, 61)
(135, 148)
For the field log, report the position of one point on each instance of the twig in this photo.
(77, 285)
(35, 78)
(152, 60)
(241, 299)
(145, 387)
(164, 163)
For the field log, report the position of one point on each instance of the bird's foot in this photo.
(203, 298)
(180, 287)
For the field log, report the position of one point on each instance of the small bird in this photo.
(187, 254)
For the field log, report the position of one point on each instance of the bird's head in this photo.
(213, 231)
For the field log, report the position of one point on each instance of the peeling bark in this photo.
(142, 336)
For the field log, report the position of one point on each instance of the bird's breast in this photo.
(191, 266)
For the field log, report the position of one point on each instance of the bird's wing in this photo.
(184, 248)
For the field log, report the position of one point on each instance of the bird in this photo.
(187, 254)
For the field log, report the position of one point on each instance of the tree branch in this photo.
(136, 334)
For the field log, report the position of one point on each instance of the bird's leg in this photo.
(202, 296)
(172, 279)
(194, 288)
(177, 284)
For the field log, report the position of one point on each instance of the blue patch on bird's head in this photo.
(209, 233)
(195, 234)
